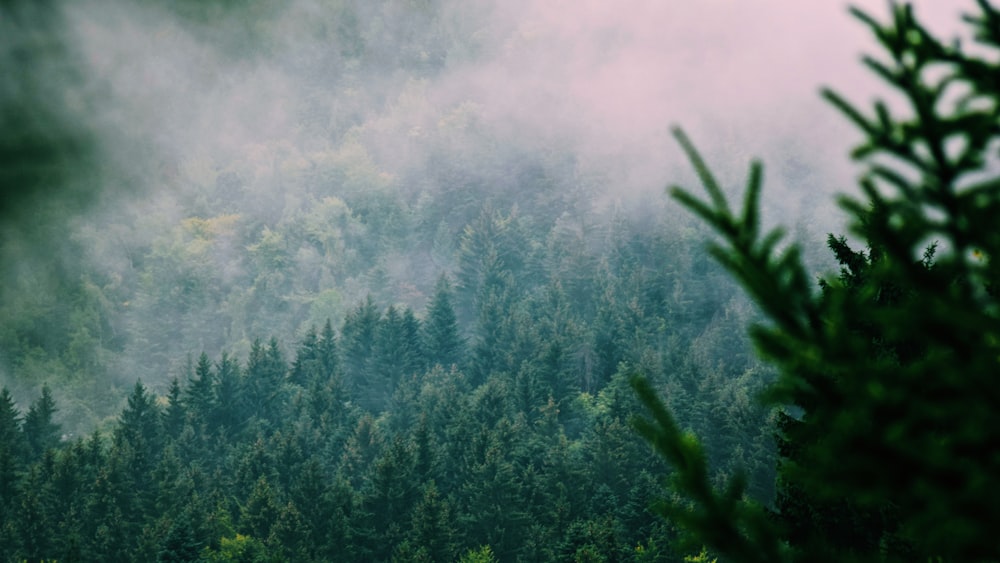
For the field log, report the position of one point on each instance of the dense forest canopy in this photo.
(366, 281)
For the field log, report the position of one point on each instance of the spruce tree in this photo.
(199, 395)
(442, 340)
(175, 412)
(885, 374)
(229, 416)
(12, 449)
(40, 431)
(327, 352)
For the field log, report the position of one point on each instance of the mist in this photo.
(213, 125)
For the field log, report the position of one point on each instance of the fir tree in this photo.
(174, 413)
(12, 450)
(229, 415)
(442, 340)
(891, 364)
(40, 431)
(199, 395)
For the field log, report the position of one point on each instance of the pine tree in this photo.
(40, 432)
(412, 351)
(12, 451)
(174, 413)
(432, 529)
(443, 342)
(307, 364)
(328, 353)
(34, 517)
(180, 543)
(229, 416)
(265, 373)
(199, 395)
(137, 446)
(260, 512)
(357, 344)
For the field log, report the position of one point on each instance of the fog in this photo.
(194, 110)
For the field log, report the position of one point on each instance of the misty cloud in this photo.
(267, 110)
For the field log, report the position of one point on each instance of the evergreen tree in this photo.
(443, 344)
(307, 365)
(199, 395)
(180, 543)
(260, 512)
(265, 372)
(40, 431)
(139, 423)
(136, 449)
(432, 529)
(34, 520)
(357, 344)
(229, 416)
(387, 362)
(412, 351)
(327, 352)
(889, 365)
(174, 413)
(12, 450)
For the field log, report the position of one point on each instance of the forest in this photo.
(344, 306)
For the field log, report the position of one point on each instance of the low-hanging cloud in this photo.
(180, 103)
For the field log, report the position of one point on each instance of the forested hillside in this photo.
(277, 289)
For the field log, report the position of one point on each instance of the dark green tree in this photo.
(40, 431)
(136, 448)
(885, 372)
(265, 373)
(12, 450)
(432, 529)
(307, 364)
(180, 543)
(358, 344)
(260, 511)
(34, 519)
(175, 412)
(199, 394)
(328, 352)
(443, 343)
(229, 416)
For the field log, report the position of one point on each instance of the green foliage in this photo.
(443, 342)
(890, 363)
(724, 520)
(40, 431)
(482, 555)
(238, 549)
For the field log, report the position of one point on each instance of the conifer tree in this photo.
(442, 339)
(890, 365)
(265, 372)
(199, 395)
(12, 450)
(327, 352)
(229, 416)
(357, 343)
(174, 413)
(40, 431)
